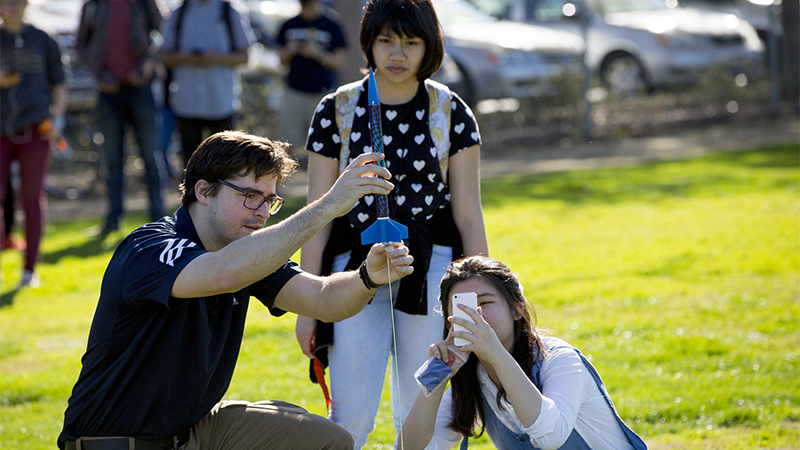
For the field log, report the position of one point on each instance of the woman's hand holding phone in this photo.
(479, 336)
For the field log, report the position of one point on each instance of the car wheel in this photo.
(464, 88)
(454, 76)
(623, 74)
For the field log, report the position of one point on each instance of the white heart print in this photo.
(355, 136)
(325, 123)
(416, 211)
(368, 199)
(363, 217)
(474, 135)
(441, 186)
(317, 146)
(336, 139)
(403, 127)
(391, 114)
(400, 199)
(459, 128)
(419, 138)
(402, 152)
(431, 177)
(428, 200)
(360, 111)
(416, 187)
(419, 165)
(433, 152)
(420, 114)
(387, 140)
(310, 130)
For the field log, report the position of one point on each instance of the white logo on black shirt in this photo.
(174, 250)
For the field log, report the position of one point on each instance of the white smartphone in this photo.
(467, 298)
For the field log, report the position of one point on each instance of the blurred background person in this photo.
(204, 41)
(114, 41)
(10, 241)
(32, 105)
(313, 47)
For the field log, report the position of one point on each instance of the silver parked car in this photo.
(639, 45)
(499, 59)
(485, 58)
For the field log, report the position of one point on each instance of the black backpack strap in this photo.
(226, 17)
(178, 22)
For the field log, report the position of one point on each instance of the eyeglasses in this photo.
(254, 200)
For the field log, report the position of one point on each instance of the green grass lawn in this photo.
(680, 280)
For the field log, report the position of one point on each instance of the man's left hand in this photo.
(398, 258)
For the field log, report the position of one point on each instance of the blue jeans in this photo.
(133, 106)
(363, 345)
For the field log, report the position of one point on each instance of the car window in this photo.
(615, 6)
(459, 12)
(549, 10)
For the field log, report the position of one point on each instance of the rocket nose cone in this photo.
(372, 95)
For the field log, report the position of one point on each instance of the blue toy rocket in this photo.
(384, 230)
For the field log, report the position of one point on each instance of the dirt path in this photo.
(675, 144)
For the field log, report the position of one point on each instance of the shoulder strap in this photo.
(439, 112)
(225, 14)
(226, 17)
(346, 100)
(178, 22)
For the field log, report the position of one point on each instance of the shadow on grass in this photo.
(7, 298)
(653, 181)
(91, 246)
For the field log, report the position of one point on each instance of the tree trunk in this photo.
(790, 57)
(350, 16)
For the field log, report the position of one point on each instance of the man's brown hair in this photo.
(234, 154)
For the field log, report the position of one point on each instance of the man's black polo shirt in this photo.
(155, 365)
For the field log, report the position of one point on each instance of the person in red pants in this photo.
(9, 205)
(32, 104)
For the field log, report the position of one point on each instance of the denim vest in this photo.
(505, 439)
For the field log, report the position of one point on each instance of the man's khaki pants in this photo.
(265, 425)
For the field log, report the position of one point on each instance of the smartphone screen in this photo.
(467, 298)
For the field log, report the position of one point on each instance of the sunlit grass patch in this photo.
(680, 280)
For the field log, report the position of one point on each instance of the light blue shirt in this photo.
(206, 92)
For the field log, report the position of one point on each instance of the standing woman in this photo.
(527, 391)
(432, 149)
(32, 104)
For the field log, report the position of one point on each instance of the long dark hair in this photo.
(527, 349)
(412, 18)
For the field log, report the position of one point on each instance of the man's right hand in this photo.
(305, 330)
(360, 178)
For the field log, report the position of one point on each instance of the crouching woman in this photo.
(525, 390)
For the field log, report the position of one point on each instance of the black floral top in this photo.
(410, 152)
